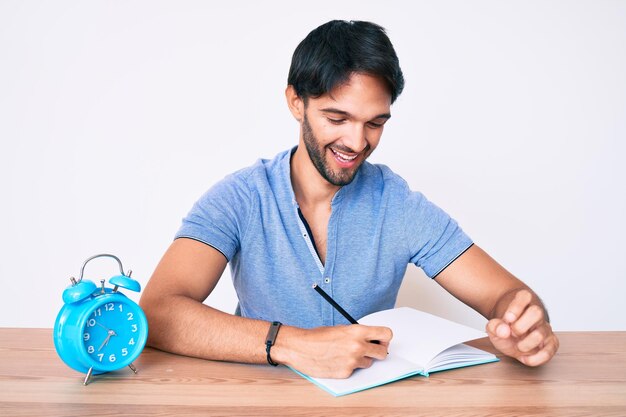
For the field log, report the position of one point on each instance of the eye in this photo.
(375, 125)
(335, 121)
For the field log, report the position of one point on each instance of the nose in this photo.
(355, 139)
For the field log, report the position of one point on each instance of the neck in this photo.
(309, 187)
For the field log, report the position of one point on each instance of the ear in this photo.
(295, 103)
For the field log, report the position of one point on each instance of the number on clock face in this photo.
(110, 333)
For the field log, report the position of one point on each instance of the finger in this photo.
(382, 334)
(534, 340)
(365, 363)
(373, 334)
(517, 306)
(365, 338)
(532, 316)
(544, 355)
(386, 344)
(536, 359)
(498, 328)
(376, 351)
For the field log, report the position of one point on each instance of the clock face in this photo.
(114, 334)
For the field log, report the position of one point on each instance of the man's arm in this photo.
(518, 322)
(180, 323)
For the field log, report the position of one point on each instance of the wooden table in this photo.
(587, 377)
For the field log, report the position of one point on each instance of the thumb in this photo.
(498, 328)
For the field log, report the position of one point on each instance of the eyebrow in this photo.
(346, 114)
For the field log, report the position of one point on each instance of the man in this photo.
(319, 214)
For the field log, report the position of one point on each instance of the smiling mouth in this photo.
(343, 157)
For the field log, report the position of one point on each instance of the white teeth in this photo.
(344, 156)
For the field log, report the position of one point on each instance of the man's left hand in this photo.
(523, 332)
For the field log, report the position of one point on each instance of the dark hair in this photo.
(331, 53)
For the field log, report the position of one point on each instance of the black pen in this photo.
(333, 303)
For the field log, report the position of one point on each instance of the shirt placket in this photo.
(328, 284)
(327, 311)
(308, 240)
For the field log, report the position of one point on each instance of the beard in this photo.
(317, 154)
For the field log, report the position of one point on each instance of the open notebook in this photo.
(421, 344)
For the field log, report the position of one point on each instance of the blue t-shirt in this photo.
(377, 226)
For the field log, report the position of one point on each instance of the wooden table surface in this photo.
(587, 377)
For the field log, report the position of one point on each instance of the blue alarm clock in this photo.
(99, 329)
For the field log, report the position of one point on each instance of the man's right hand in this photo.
(331, 352)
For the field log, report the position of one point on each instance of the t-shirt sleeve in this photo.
(219, 218)
(434, 239)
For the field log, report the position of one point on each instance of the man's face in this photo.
(342, 128)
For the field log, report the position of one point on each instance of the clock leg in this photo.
(132, 367)
(88, 377)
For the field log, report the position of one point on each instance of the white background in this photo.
(116, 116)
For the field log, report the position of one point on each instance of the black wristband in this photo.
(270, 339)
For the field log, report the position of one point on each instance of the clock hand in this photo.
(106, 341)
(105, 328)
